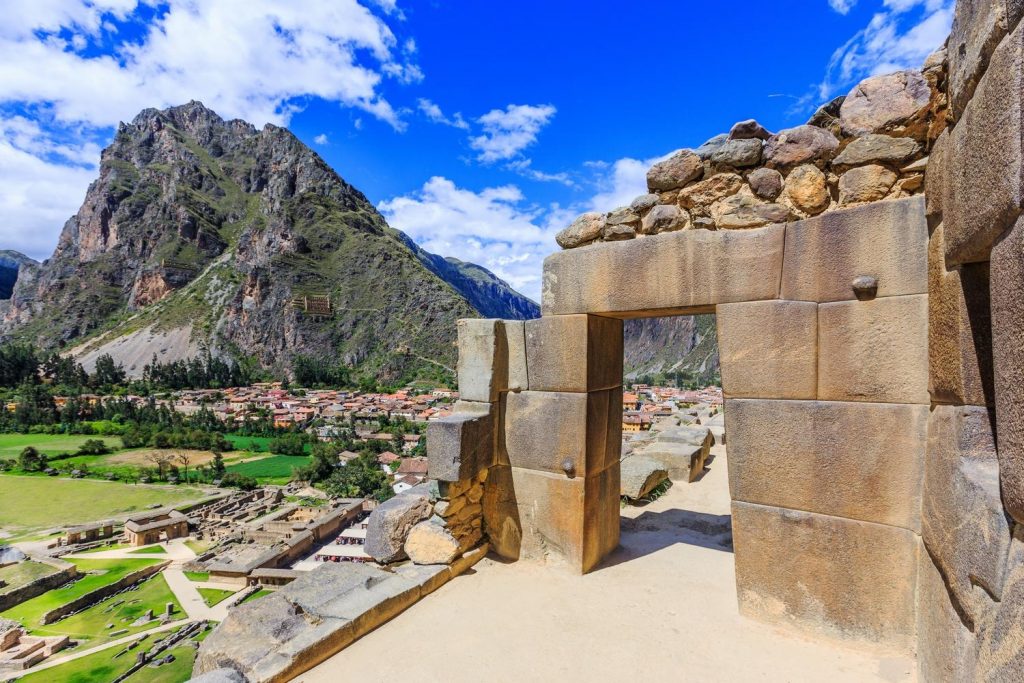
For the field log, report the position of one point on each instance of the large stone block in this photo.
(561, 432)
(1001, 637)
(669, 273)
(682, 450)
(862, 461)
(959, 330)
(978, 26)
(984, 186)
(874, 350)
(483, 359)
(462, 444)
(848, 579)
(885, 240)
(935, 177)
(769, 349)
(515, 341)
(963, 523)
(501, 513)
(574, 353)
(945, 643)
(1007, 273)
(569, 522)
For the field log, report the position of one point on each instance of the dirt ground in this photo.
(661, 608)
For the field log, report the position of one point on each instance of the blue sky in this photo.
(479, 128)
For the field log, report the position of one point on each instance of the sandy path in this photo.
(661, 608)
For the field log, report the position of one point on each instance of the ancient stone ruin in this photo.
(867, 275)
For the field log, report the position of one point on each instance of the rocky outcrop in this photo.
(11, 262)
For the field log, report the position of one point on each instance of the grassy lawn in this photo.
(102, 667)
(197, 576)
(149, 550)
(105, 548)
(198, 547)
(50, 444)
(212, 596)
(42, 502)
(30, 611)
(256, 444)
(90, 625)
(258, 594)
(272, 469)
(17, 575)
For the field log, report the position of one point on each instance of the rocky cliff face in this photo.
(684, 344)
(11, 262)
(241, 236)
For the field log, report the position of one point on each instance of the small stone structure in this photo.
(19, 651)
(156, 526)
(88, 533)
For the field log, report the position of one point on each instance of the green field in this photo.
(103, 667)
(149, 550)
(272, 469)
(258, 594)
(50, 444)
(90, 626)
(107, 571)
(41, 502)
(197, 576)
(212, 596)
(17, 575)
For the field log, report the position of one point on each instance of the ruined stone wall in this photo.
(971, 585)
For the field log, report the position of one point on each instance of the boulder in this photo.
(766, 183)
(644, 203)
(875, 148)
(889, 102)
(675, 172)
(583, 230)
(865, 184)
(710, 190)
(800, 145)
(664, 218)
(827, 116)
(639, 475)
(612, 233)
(430, 543)
(708, 148)
(746, 211)
(389, 524)
(749, 129)
(738, 153)
(807, 189)
(623, 215)
(682, 450)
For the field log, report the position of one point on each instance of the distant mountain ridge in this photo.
(202, 234)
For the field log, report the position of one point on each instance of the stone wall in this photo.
(92, 597)
(971, 602)
(63, 572)
(870, 343)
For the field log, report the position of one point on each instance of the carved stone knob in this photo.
(865, 287)
(568, 467)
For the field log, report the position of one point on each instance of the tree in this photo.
(184, 458)
(30, 460)
(160, 459)
(360, 477)
(218, 464)
(108, 373)
(93, 447)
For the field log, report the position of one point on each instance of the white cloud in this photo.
(495, 228)
(498, 228)
(842, 6)
(433, 112)
(524, 167)
(507, 132)
(259, 60)
(900, 36)
(321, 139)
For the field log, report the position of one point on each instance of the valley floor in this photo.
(661, 608)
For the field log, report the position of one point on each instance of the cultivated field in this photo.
(41, 502)
(276, 469)
(50, 444)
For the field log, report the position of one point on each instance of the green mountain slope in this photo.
(204, 234)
